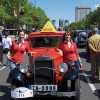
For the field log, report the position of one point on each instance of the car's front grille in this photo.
(44, 71)
(81, 41)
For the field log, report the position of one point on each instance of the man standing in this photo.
(94, 45)
(1, 47)
(74, 36)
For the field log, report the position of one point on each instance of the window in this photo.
(49, 41)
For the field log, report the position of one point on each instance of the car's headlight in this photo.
(23, 68)
(63, 67)
(82, 39)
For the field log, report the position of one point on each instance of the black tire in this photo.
(77, 89)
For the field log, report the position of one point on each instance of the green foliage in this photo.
(3, 14)
(33, 17)
(93, 20)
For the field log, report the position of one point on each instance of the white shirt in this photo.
(25, 36)
(19, 43)
(69, 43)
(6, 42)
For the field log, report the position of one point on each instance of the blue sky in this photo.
(63, 9)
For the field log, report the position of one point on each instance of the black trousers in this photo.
(1, 53)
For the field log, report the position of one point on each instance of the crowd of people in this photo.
(16, 49)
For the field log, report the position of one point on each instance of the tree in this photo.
(33, 17)
(3, 15)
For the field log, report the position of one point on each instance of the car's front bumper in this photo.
(23, 92)
(81, 43)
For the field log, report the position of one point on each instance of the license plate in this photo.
(43, 87)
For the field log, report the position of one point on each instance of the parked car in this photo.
(82, 38)
(87, 47)
(46, 74)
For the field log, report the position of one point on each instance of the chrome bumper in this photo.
(23, 92)
(58, 94)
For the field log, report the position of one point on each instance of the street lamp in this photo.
(35, 3)
(18, 14)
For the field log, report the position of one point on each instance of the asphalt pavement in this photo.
(90, 88)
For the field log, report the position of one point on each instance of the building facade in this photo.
(54, 22)
(66, 23)
(81, 12)
(61, 23)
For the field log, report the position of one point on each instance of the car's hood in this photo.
(82, 36)
(51, 52)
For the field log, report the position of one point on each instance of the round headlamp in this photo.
(63, 67)
(23, 68)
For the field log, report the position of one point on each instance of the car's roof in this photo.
(46, 33)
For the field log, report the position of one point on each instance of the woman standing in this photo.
(69, 50)
(17, 50)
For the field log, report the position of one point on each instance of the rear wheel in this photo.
(77, 89)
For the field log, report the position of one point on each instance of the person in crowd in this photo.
(59, 29)
(17, 50)
(25, 37)
(68, 50)
(6, 43)
(75, 34)
(1, 47)
(94, 46)
(16, 34)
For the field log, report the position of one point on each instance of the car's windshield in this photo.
(50, 41)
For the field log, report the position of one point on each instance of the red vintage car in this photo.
(46, 74)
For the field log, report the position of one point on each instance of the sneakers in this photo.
(1, 64)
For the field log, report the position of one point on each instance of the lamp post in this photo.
(18, 14)
(35, 3)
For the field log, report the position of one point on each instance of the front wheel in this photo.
(77, 89)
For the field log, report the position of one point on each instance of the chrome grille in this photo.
(44, 71)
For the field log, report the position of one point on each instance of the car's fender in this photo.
(15, 74)
(72, 75)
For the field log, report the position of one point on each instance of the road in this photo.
(90, 88)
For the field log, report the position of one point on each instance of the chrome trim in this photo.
(43, 58)
(58, 94)
(44, 67)
(68, 83)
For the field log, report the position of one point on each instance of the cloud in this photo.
(98, 5)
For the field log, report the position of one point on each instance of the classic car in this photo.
(46, 73)
(82, 38)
